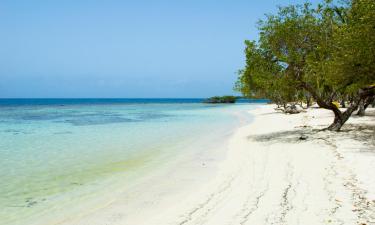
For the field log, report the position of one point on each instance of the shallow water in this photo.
(50, 151)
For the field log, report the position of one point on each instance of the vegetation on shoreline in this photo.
(221, 99)
(324, 54)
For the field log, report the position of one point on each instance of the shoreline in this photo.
(270, 176)
(173, 175)
(55, 171)
(263, 175)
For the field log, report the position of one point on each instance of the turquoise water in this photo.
(52, 150)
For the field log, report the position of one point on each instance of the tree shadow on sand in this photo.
(363, 133)
(291, 136)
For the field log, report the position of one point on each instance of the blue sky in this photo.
(76, 48)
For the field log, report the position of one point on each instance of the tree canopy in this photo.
(325, 52)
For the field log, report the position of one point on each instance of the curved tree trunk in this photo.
(336, 125)
(337, 122)
(340, 117)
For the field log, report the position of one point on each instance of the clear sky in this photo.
(77, 48)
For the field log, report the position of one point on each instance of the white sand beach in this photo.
(265, 175)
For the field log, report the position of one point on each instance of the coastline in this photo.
(270, 176)
(63, 162)
(264, 174)
(151, 197)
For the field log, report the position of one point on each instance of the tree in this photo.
(348, 67)
(353, 58)
(263, 78)
(302, 50)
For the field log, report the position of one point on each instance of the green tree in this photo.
(353, 58)
(301, 51)
(345, 59)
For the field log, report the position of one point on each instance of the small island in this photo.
(221, 99)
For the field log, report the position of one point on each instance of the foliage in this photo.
(326, 52)
(222, 99)
(353, 55)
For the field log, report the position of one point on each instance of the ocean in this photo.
(57, 153)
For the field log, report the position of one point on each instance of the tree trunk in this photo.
(370, 100)
(340, 117)
(308, 101)
(336, 125)
(342, 103)
(339, 121)
(361, 108)
(364, 104)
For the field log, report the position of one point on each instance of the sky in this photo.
(125, 49)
